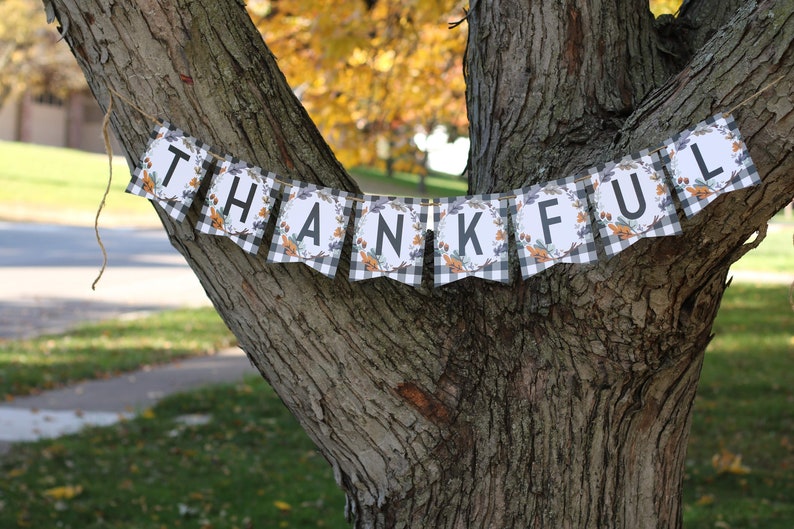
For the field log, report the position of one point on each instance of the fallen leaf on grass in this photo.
(706, 499)
(282, 506)
(64, 492)
(726, 462)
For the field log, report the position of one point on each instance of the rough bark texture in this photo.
(560, 401)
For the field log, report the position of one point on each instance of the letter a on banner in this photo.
(708, 160)
(171, 170)
(631, 201)
(311, 227)
(551, 225)
(389, 240)
(471, 239)
(238, 203)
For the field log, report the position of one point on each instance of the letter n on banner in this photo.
(708, 160)
(311, 227)
(551, 225)
(171, 169)
(238, 203)
(631, 201)
(471, 238)
(389, 239)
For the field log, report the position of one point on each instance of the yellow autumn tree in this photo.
(30, 56)
(371, 73)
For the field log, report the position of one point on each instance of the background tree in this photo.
(28, 59)
(370, 71)
(560, 401)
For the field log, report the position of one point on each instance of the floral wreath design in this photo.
(703, 189)
(289, 242)
(539, 250)
(374, 262)
(221, 221)
(462, 264)
(151, 181)
(622, 227)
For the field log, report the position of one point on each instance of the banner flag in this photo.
(171, 169)
(471, 238)
(551, 225)
(238, 203)
(631, 201)
(311, 227)
(708, 160)
(389, 239)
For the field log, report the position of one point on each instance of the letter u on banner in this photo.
(238, 203)
(471, 238)
(389, 239)
(551, 225)
(631, 201)
(171, 169)
(311, 227)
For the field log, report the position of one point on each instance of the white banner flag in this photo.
(171, 169)
(551, 225)
(311, 227)
(631, 201)
(238, 203)
(708, 160)
(470, 238)
(389, 239)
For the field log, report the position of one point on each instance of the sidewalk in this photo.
(45, 287)
(104, 402)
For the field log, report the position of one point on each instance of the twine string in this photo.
(109, 150)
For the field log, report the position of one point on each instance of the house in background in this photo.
(74, 122)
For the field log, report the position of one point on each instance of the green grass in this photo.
(745, 406)
(50, 184)
(375, 181)
(252, 466)
(774, 254)
(102, 349)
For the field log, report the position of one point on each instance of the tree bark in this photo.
(559, 401)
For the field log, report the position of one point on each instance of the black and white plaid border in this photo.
(499, 268)
(267, 190)
(410, 275)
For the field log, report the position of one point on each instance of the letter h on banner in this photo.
(238, 203)
(171, 169)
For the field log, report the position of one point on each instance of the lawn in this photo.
(102, 349)
(250, 464)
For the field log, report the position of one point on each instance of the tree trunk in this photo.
(559, 401)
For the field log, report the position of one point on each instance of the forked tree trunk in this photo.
(559, 401)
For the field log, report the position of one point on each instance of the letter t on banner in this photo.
(311, 227)
(631, 201)
(471, 239)
(551, 225)
(171, 170)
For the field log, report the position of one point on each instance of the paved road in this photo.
(46, 272)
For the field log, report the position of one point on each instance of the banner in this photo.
(171, 170)
(238, 203)
(551, 225)
(389, 239)
(627, 200)
(708, 160)
(311, 227)
(470, 238)
(631, 201)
